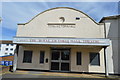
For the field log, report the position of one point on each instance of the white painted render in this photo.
(4, 52)
(49, 25)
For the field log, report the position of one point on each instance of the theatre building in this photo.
(62, 39)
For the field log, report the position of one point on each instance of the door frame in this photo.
(60, 49)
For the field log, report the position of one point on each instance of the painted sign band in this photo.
(58, 41)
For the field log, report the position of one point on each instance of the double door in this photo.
(60, 60)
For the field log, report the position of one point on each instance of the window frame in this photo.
(27, 56)
(98, 59)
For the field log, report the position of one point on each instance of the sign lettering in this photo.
(61, 25)
(61, 41)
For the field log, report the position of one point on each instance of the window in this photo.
(6, 49)
(11, 49)
(10, 53)
(42, 54)
(78, 55)
(7, 44)
(95, 59)
(77, 18)
(6, 53)
(62, 19)
(27, 58)
(12, 44)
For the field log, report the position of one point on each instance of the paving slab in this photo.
(49, 75)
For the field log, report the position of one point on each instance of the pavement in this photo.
(39, 74)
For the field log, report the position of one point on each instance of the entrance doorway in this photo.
(60, 60)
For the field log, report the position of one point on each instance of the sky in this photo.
(13, 13)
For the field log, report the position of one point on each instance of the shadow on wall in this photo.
(113, 36)
(119, 44)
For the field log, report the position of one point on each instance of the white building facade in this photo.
(7, 48)
(64, 39)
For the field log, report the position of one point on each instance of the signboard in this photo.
(6, 63)
(61, 25)
(61, 41)
(1, 62)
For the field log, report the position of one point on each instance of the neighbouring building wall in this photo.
(119, 45)
(7, 49)
(113, 50)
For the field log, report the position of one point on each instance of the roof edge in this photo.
(58, 8)
(109, 17)
(6, 41)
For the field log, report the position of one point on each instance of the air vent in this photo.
(77, 18)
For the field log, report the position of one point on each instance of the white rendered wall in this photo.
(4, 52)
(112, 51)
